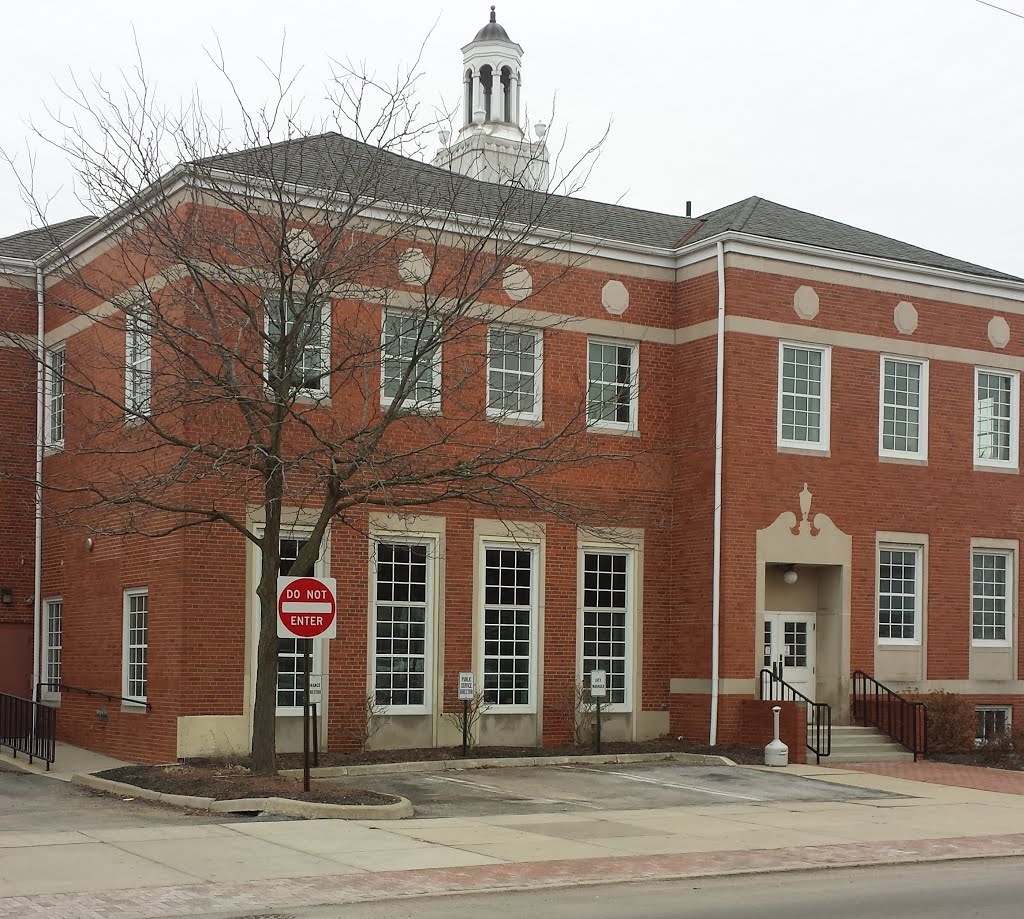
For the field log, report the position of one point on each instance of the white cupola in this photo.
(491, 144)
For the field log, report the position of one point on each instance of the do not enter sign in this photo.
(306, 608)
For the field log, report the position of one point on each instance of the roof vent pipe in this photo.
(689, 207)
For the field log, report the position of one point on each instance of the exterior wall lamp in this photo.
(6, 596)
(790, 575)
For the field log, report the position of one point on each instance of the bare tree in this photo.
(266, 319)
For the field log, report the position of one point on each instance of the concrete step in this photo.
(853, 743)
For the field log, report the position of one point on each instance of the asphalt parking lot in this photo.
(554, 789)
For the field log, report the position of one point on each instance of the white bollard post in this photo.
(776, 753)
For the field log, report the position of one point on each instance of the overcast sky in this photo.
(904, 117)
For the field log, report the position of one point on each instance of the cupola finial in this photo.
(493, 19)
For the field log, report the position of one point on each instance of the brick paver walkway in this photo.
(285, 893)
(1000, 780)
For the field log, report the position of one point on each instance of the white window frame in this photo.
(620, 427)
(310, 392)
(922, 440)
(1007, 710)
(825, 399)
(538, 374)
(534, 548)
(49, 646)
(431, 542)
(919, 581)
(126, 647)
(1012, 462)
(317, 649)
(631, 593)
(431, 405)
(138, 363)
(56, 443)
(1011, 578)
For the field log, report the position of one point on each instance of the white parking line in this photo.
(510, 794)
(646, 781)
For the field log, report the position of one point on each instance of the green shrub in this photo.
(951, 722)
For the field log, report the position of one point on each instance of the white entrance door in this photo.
(789, 649)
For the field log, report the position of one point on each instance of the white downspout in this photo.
(37, 600)
(716, 577)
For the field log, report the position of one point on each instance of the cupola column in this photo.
(514, 88)
(479, 113)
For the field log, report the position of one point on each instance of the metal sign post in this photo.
(598, 690)
(306, 609)
(467, 689)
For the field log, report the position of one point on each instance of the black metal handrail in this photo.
(772, 688)
(902, 719)
(110, 697)
(28, 727)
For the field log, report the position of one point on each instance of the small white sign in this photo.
(598, 684)
(316, 689)
(467, 686)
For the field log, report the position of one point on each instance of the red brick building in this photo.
(816, 432)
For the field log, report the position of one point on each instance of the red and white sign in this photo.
(306, 608)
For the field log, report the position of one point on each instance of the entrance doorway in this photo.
(789, 649)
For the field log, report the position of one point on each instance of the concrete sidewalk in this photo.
(68, 761)
(186, 870)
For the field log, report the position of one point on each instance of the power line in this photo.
(1002, 9)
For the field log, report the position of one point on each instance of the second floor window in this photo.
(612, 385)
(299, 340)
(804, 378)
(903, 409)
(995, 417)
(55, 399)
(410, 362)
(138, 359)
(513, 374)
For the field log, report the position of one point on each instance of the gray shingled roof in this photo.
(31, 244)
(760, 217)
(340, 165)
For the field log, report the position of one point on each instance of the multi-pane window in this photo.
(991, 722)
(990, 596)
(606, 620)
(513, 373)
(995, 417)
(903, 408)
(401, 616)
(138, 363)
(54, 643)
(410, 362)
(55, 399)
(899, 593)
(136, 643)
(804, 374)
(299, 343)
(611, 384)
(291, 652)
(509, 601)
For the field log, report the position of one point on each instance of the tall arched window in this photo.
(506, 95)
(486, 85)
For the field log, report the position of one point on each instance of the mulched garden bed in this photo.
(227, 781)
(742, 755)
(1012, 762)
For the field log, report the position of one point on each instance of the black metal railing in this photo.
(110, 697)
(903, 719)
(772, 688)
(28, 727)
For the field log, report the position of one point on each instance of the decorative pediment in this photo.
(809, 538)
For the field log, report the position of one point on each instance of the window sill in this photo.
(596, 427)
(511, 710)
(310, 398)
(899, 643)
(992, 467)
(137, 708)
(53, 450)
(904, 460)
(794, 450)
(414, 409)
(991, 645)
(516, 421)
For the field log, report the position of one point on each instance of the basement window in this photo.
(991, 722)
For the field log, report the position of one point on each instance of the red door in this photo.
(16, 659)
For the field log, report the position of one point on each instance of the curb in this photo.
(284, 807)
(511, 762)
